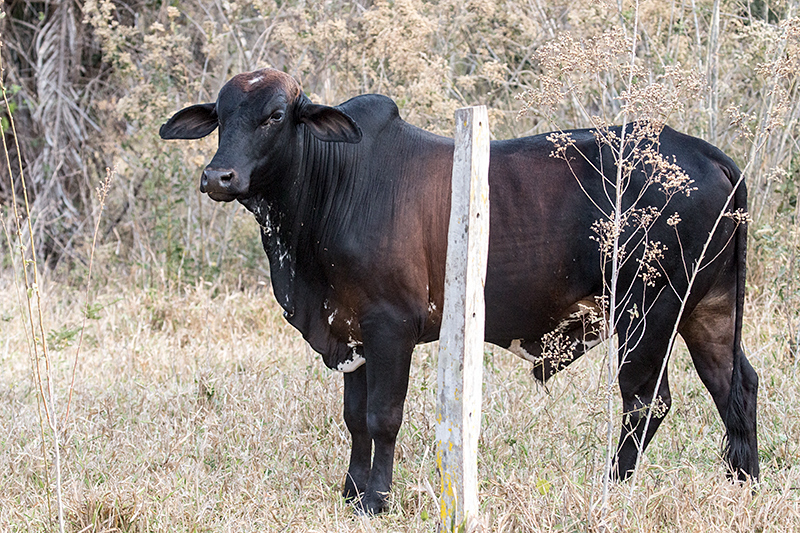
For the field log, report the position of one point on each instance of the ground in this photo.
(199, 409)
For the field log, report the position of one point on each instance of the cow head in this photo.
(259, 114)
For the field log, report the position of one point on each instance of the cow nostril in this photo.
(217, 178)
(222, 184)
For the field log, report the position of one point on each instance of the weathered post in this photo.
(460, 373)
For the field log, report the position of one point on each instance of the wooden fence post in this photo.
(460, 372)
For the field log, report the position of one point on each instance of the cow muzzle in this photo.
(223, 185)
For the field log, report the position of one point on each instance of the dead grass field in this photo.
(202, 410)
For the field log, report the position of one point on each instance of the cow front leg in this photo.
(355, 417)
(388, 353)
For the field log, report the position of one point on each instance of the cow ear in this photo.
(193, 122)
(330, 124)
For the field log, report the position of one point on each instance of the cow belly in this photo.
(578, 329)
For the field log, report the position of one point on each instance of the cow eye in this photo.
(274, 118)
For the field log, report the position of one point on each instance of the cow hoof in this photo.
(351, 493)
(351, 490)
(371, 505)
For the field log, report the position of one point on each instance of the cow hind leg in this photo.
(355, 417)
(724, 370)
(638, 379)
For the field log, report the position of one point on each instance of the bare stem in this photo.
(34, 290)
(613, 349)
(102, 194)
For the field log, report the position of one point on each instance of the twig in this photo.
(102, 194)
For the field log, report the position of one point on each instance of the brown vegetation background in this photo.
(91, 82)
(196, 409)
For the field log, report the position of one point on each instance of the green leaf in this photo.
(60, 339)
(92, 311)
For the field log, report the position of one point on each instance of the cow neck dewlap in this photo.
(281, 259)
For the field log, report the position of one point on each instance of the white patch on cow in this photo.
(588, 345)
(262, 217)
(517, 349)
(351, 341)
(283, 256)
(431, 308)
(332, 317)
(355, 361)
(273, 230)
(253, 81)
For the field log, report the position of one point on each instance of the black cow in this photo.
(353, 204)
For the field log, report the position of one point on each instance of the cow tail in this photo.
(739, 416)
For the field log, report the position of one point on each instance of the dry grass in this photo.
(202, 410)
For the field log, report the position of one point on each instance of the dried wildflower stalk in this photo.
(644, 107)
